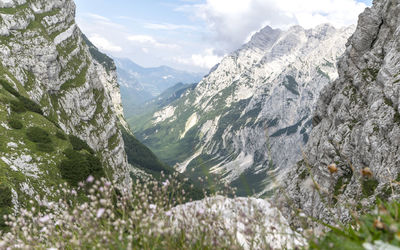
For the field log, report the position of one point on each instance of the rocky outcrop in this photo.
(43, 51)
(357, 125)
(252, 223)
(247, 121)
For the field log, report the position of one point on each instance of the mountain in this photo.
(61, 116)
(139, 85)
(356, 126)
(249, 118)
(143, 161)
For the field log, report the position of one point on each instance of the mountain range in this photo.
(139, 84)
(247, 121)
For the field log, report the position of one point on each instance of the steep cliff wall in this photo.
(357, 125)
(44, 58)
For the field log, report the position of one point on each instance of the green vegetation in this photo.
(382, 228)
(38, 135)
(17, 106)
(45, 147)
(42, 139)
(61, 135)
(79, 166)
(30, 105)
(388, 101)
(370, 73)
(23, 103)
(78, 81)
(5, 204)
(368, 186)
(78, 144)
(15, 123)
(6, 85)
(396, 117)
(341, 184)
(139, 155)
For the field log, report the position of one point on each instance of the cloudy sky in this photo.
(194, 35)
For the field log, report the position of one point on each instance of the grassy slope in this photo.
(42, 173)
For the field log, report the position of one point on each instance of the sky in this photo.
(194, 35)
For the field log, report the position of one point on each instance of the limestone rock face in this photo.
(248, 119)
(42, 49)
(232, 217)
(357, 124)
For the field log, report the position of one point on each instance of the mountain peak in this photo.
(263, 38)
(259, 100)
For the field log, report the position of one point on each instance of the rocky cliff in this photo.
(248, 119)
(45, 63)
(353, 157)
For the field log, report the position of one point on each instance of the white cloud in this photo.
(232, 21)
(103, 44)
(97, 17)
(149, 40)
(206, 60)
(168, 26)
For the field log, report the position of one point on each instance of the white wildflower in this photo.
(44, 219)
(100, 212)
(90, 179)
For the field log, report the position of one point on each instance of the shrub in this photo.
(45, 147)
(17, 106)
(5, 204)
(15, 123)
(368, 186)
(30, 105)
(38, 135)
(78, 144)
(5, 196)
(78, 166)
(61, 135)
(6, 85)
(74, 170)
(94, 166)
(371, 229)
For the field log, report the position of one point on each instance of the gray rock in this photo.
(358, 124)
(47, 55)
